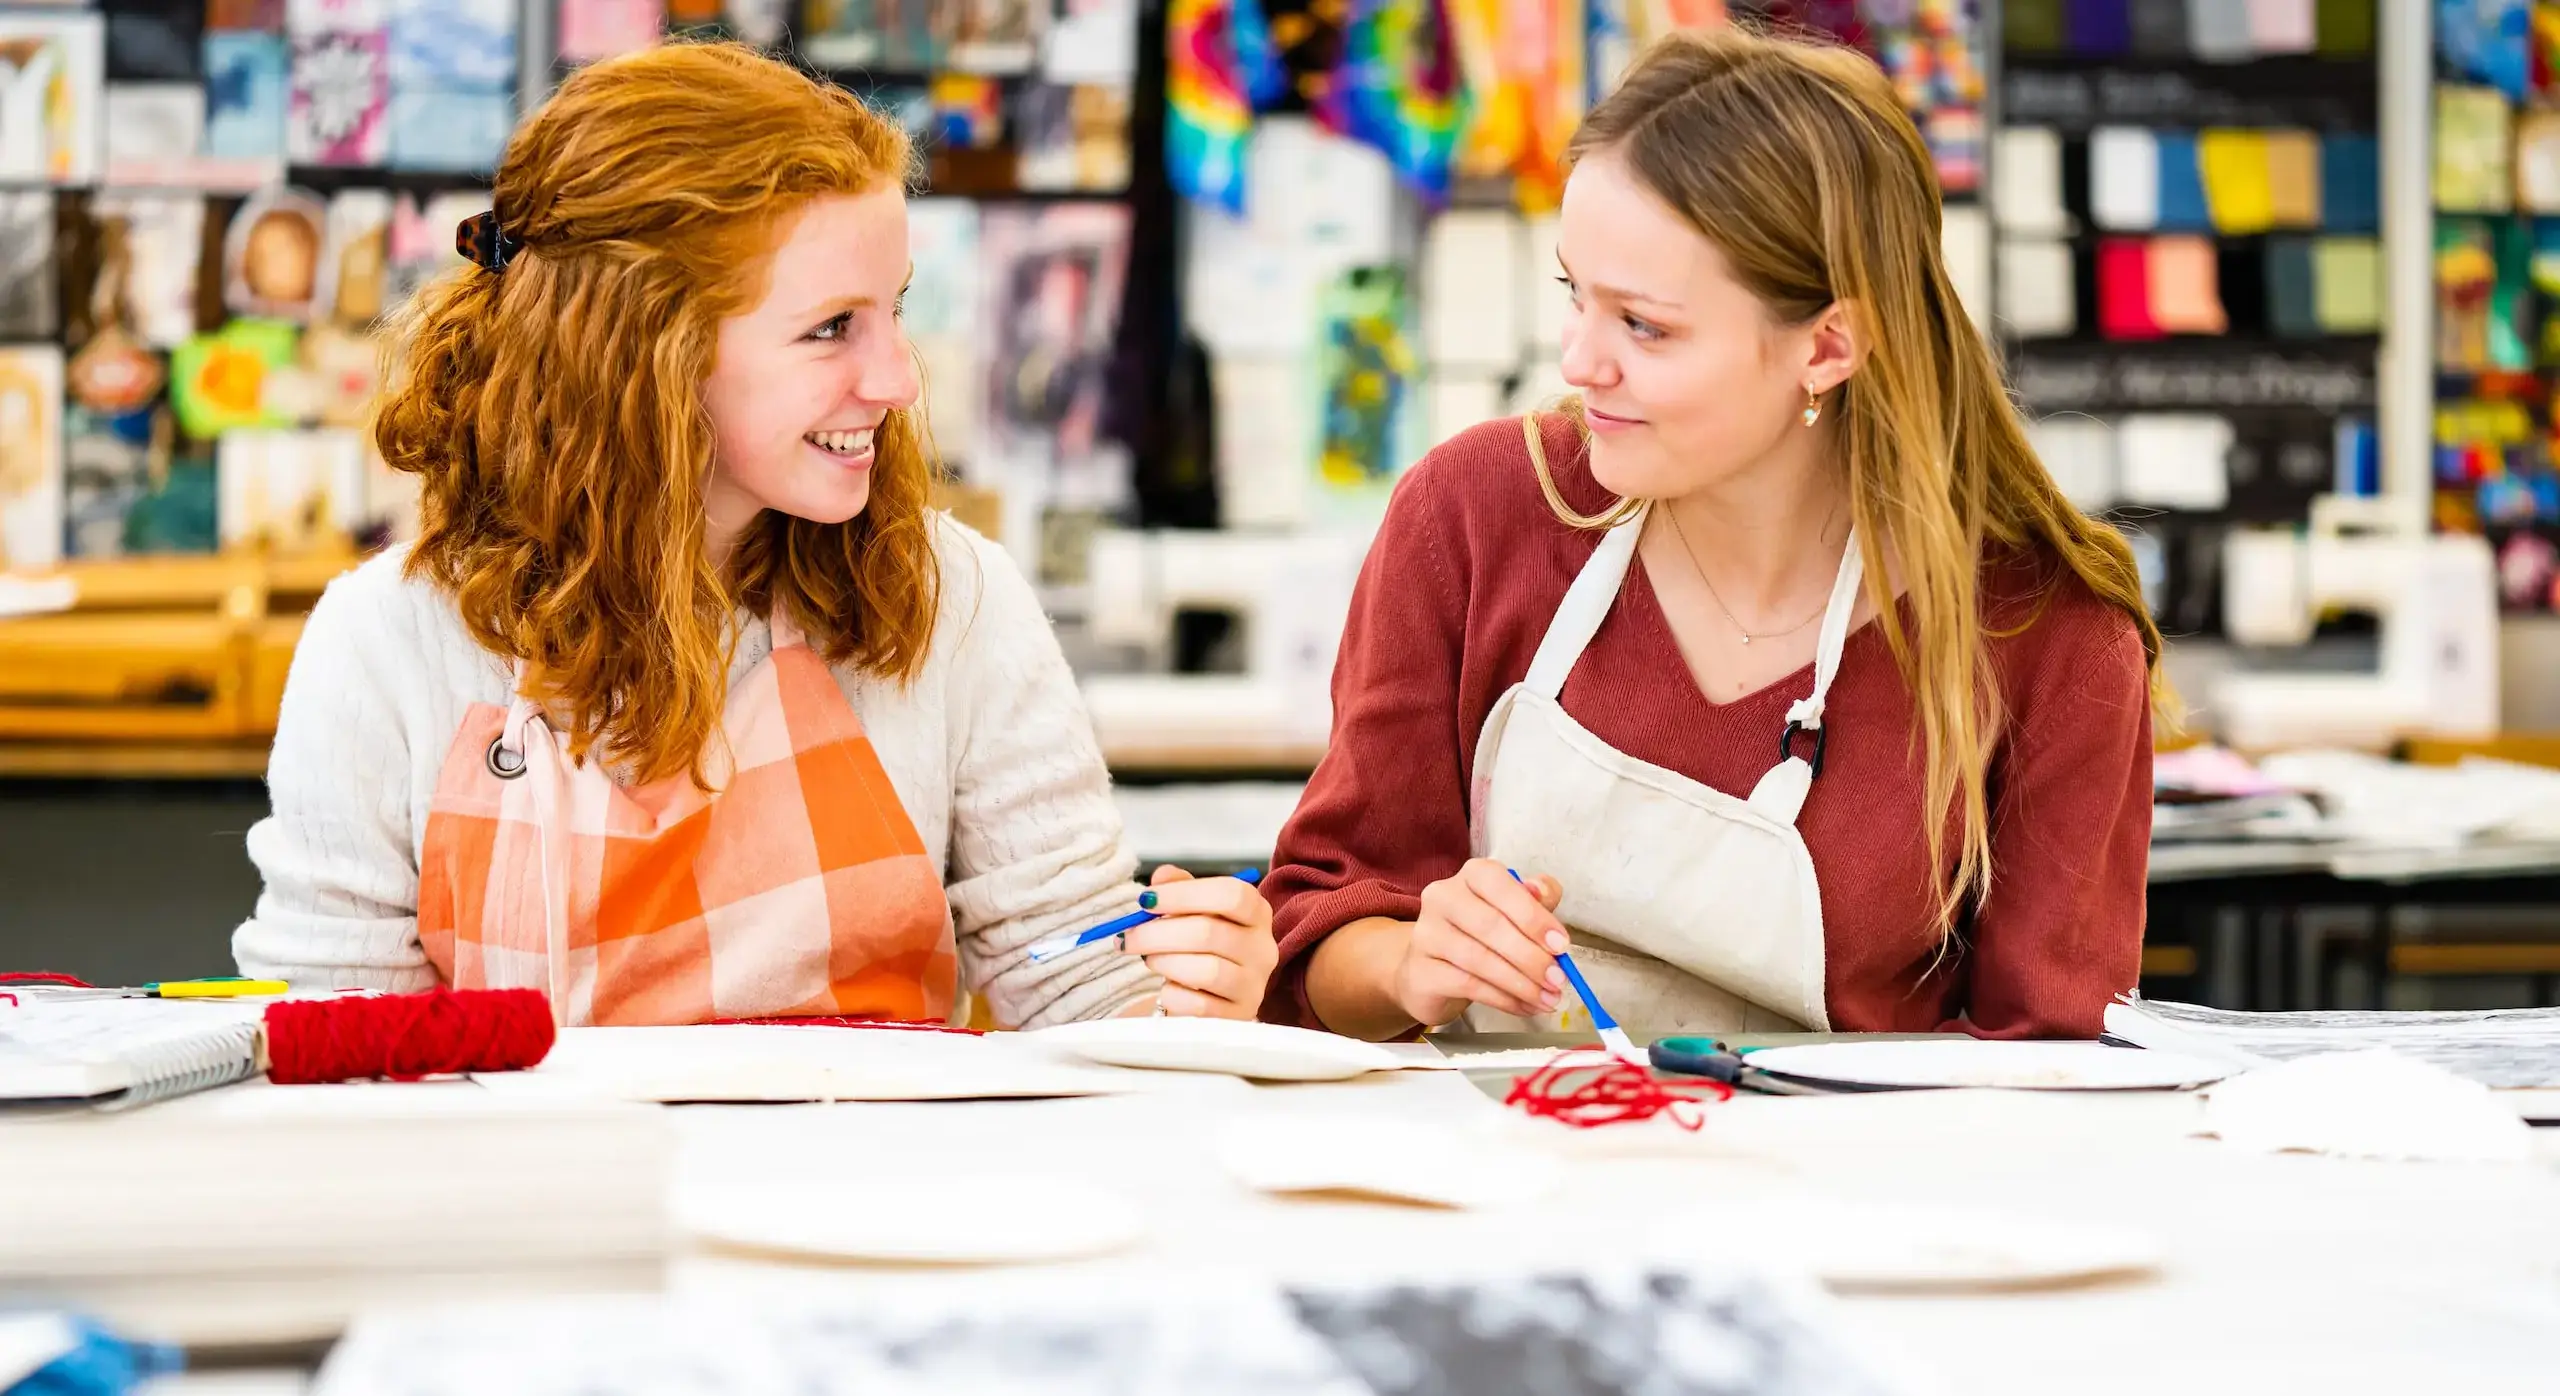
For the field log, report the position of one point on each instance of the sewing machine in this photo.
(1287, 594)
(2435, 597)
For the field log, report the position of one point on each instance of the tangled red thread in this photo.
(1587, 1089)
(405, 1037)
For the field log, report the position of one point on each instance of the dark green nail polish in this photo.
(1146, 901)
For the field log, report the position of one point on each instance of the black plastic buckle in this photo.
(1787, 743)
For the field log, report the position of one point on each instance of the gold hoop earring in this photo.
(1812, 407)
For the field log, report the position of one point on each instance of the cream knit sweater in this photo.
(989, 750)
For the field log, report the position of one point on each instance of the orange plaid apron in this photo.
(799, 888)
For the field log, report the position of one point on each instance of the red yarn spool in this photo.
(1587, 1089)
(404, 1037)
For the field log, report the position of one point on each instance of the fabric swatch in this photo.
(2124, 179)
(2234, 164)
(2292, 289)
(2080, 454)
(2293, 178)
(2124, 290)
(2473, 155)
(2032, 26)
(2037, 299)
(2160, 28)
(2097, 28)
(2182, 202)
(2344, 28)
(2350, 184)
(2537, 162)
(2218, 31)
(2175, 460)
(2349, 276)
(2186, 288)
(2283, 26)
(2026, 169)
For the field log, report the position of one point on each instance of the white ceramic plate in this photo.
(1959, 1062)
(1262, 1051)
(1858, 1245)
(971, 1220)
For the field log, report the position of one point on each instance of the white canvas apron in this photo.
(1691, 911)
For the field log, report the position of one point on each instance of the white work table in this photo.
(2282, 1273)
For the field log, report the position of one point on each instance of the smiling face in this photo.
(1686, 377)
(801, 382)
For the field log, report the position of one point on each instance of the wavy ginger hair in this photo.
(1797, 161)
(554, 409)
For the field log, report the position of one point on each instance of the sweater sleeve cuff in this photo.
(1313, 916)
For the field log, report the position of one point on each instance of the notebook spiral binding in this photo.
(198, 1064)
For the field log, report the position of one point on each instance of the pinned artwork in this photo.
(996, 36)
(593, 30)
(438, 130)
(246, 95)
(129, 493)
(1072, 138)
(30, 306)
(842, 33)
(161, 240)
(30, 457)
(942, 318)
(52, 96)
(154, 131)
(290, 491)
(420, 241)
(271, 255)
(341, 98)
(1365, 378)
(154, 41)
(355, 259)
(266, 16)
(1052, 279)
(453, 45)
(218, 381)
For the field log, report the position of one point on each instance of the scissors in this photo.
(1713, 1059)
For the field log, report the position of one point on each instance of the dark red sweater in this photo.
(1458, 588)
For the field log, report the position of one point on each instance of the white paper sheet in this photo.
(2026, 168)
(2080, 454)
(2375, 1104)
(1964, 241)
(1547, 301)
(1457, 401)
(2038, 297)
(1399, 1160)
(2175, 460)
(1266, 442)
(754, 1062)
(1471, 274)
(2124, 178)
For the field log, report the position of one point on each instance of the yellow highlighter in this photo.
(227, 988)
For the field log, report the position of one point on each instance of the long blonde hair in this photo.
(1797, 161)
(553, 411)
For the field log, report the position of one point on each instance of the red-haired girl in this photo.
(685, 705)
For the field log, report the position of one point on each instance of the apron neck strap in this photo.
(1834, 636)
(1586, 603)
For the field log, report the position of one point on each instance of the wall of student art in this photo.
(209, 207)
(2497, 282)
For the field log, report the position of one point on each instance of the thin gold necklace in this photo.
(1672, 517)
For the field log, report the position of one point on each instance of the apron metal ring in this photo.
(504, 764)
(1787, 743)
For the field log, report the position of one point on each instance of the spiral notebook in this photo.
(115, 1053)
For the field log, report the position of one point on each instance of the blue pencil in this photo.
(1057, 945)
